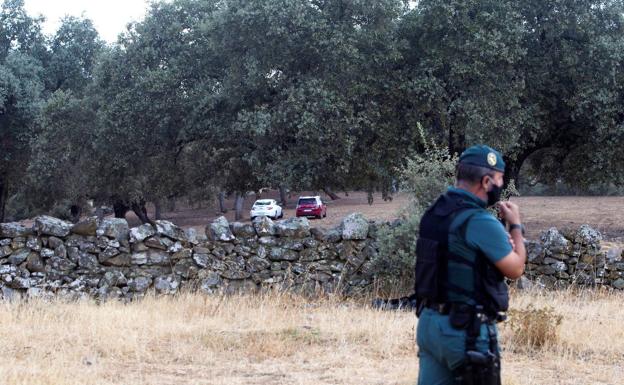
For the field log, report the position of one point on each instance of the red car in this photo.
(311, 207)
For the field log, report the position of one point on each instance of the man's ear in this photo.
(484, 182)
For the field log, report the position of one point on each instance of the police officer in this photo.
(463, 255)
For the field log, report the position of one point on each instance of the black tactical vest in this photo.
(432, 258)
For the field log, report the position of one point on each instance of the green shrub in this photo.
(425, 176)
(533, 328)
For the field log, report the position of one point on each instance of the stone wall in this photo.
(573, 257)
(107, 259)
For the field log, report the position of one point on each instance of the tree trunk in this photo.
(120, 209)
(235, 197)
(386, 192)
(171, 204)
(141, 211)
(4, 196)
(99, 213)
(513, 167)
(457, 141)
(157, 209)
(282, 192)
(75, 211)
(369, 196)
(238, 206)
(221, 198)
(330, 193)
(512, 172)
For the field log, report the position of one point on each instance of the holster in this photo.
(478, 368)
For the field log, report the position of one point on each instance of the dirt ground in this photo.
(189, 216)
(538, 213)
(606, 214)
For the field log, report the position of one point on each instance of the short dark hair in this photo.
(472, 174)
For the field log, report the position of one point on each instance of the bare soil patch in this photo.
(606, 214)
(539, 213)
(198, 216)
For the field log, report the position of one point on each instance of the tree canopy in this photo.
(208, 96)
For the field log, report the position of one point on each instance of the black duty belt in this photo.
(446, 308)
(442, 308)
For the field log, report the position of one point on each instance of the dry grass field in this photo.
(279, 339)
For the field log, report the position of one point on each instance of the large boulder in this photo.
(354, 227)
(19, 256)
(139, 284)
(243, 230)
(14, 230)
(171, 230)
(279, 254)
(185, 269)
(114, 278)
(167, 284)
(202, 260)
(211, 282)
(116, 228)
(34, 243)
(108, 253)
(555, 243)
(140, 233)
(219, 230)
(523, 283)
(328, 236)
(614, 254)
(296, 227)
(151, 257)
(257, 264)
(87, 226)
(235, 274)
(46, 225)
(120, 260)
(535, 252)
(587, 235)
(156, 242)
(264, 226)
(88, 261)
(34, 263)
(618, 284)
(194, 237)
(61, 264)
(5, 250)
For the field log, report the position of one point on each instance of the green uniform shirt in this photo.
(483, 232)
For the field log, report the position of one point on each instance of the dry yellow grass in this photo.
(278, 339)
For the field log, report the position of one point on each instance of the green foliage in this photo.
(426, 176)
(232, 95)
(397, 250)
(73, 53)
(58, 171)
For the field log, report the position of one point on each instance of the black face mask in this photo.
(494, 195)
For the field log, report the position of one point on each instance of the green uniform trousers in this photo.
(442, 348)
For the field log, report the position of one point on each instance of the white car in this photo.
(266, 207)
